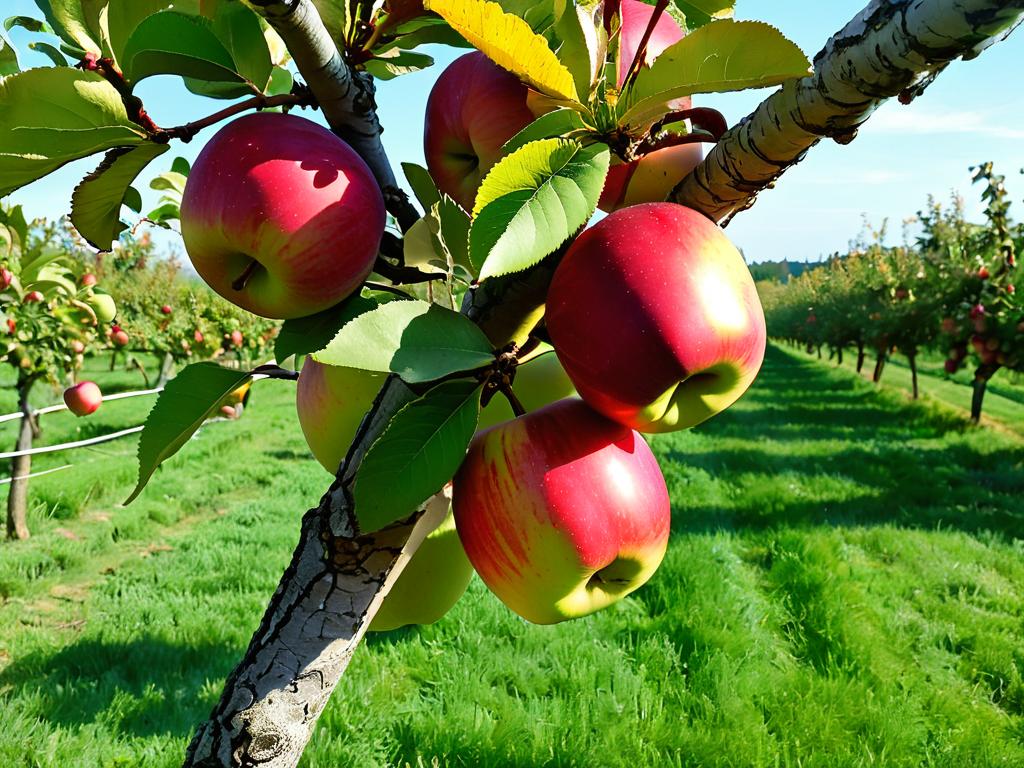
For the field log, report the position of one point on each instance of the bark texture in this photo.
(892, 48)
(21, 467)
(337, 578)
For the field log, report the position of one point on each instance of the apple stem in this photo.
(517, 407)
(641, 51)
(243, 279)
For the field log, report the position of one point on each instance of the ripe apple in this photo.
(473, 109)
(198, 336)
(6, 278)
(654, 315)
(561, 511)
(77, 347)
(33, 296)
(236, 338)
(331, 402)
(12, 326)
(280, 216)
(166, 309)
(538, 382)
(432, 582)
(120, 338)
(87, 280)
(983, 273)
(103, 305)
(83, 398)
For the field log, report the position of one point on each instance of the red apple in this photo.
(198, 336)
(280, 216)
(87, 280)
(83, 398)
(6, 278)
(12, 326)
(983, 273)
(77, 347)
(474, 108)
(561, 511)
(236, 338)
(120, 338)
(33, 296)
(654, 315)
(166, 309)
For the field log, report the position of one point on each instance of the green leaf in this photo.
(181, 165)
(185, 403)
(424, 30)
(335, 17)
(422, 185)
(50, 116)
(303, 335)
(72, 24)
(9, 63)
(169, 43)
(562, 124)
(418, 341)
(701, 12)
(281, 81)
(52, 53)
(439, 242)
(169, 181)
(29, 23)
(396, 62)
(238, 29)
(120, 18)
(96, 202)
(719, 57)
(163, 214)
(133, 200)
(419, 452)
(534, 200)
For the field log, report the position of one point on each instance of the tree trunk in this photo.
(912, 359)
(839, 356)
(113, 359)
(818, 348)
(879, 366)
(134, 363)
(860, 356)
(166, 369)
(336, 580)
(981, 377)
(21, 467)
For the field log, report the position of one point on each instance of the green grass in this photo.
(844, 587)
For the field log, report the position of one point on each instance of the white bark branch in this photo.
(892, 48)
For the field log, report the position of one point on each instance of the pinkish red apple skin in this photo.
(289, 193)
(644, 300)
(546, 500)
(84, 398)
(635, 16)
(474, 108)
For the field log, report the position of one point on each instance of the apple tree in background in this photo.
(51, 311)
(417, 320)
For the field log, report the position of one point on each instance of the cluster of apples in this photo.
(652, 313)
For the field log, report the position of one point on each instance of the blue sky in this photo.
(974, 112)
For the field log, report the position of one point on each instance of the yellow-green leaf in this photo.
(509, 42)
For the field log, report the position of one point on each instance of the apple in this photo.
(280, 216)
(198, 336)
(952, 366)
(166, 309)
(33, 296)
(83, 398)
(654, 315)
(6, 278)
(236, 338)
(331, 402)
(120, 338)
(77, 347)
(983, 273)
(103, 305)
(431, 583)
(87, 280)
(12, 326)
(538, 382)
(473, 109)
(561, 511)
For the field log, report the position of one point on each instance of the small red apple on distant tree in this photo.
(655, 317)
(561, 511)
(198, 336)
(280, 216)
(6, 278)
(33, 297)
(83, 398)
(12, 326)
(87, 280)
(474, 107)
(983, 273)
(166, 309)
(237, 338)
(120, 338)
(77, 347)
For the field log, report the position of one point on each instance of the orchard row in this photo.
(954, 290)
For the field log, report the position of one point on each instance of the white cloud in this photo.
(914, 121)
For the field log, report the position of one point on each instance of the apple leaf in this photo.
(9, 63)
(422, 184)
(27, 23)
(52, 115)
(439, 242)
(419, 452)
(509, 42)
(701, 12)
(417, 340)
(532, 201)
(118, 19)
(50, 52)
(423, 30)
(132, 199)
(303, 335)
(96, 202)
(170, 43)
(70, 21)
(719, 57)
(395, 62)
(180, 409)
(335, 17)
(562, 124)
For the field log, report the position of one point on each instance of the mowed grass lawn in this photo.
(844, 587)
